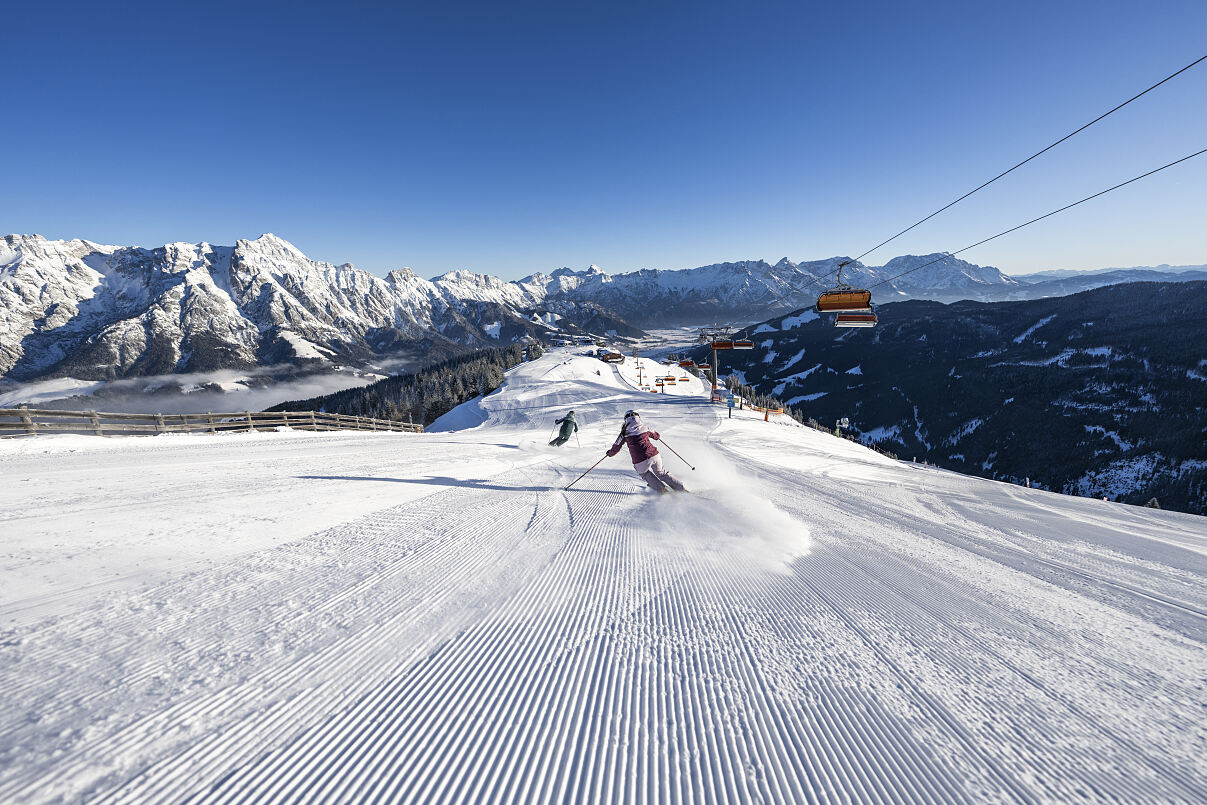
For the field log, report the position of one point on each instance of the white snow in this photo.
(965, 429)
(918, 434)
(792, 361)
(817, 395)
(1114, 436)
(1118, 477)
(881, 433)
(1018, 339)
(855, 370)
(8, 255)
(799, 319)
(431, 617)
(305, 349)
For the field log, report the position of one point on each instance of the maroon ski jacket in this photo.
(637, 436)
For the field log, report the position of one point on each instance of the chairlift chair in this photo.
(741, 344)
(855, 320)
(844, 298)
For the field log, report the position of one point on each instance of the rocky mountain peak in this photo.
(270, 244)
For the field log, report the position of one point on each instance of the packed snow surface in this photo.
(295, 617)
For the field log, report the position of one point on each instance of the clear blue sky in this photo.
(515, 137)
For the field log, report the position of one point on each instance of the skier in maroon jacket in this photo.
(646, 461)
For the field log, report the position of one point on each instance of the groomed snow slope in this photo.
(430, 618)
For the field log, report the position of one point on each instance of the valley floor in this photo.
(397, 617)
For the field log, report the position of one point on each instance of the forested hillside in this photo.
(1100, 393)
(425, 395)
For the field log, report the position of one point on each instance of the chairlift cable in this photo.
(1033, 156)
(1040, 218)
(818, 278)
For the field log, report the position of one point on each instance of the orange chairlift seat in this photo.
(742, 344)
(855, 320)
(688, 364)
(843, 297)
(722, 345)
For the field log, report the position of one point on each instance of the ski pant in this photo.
(656, 476)
(563, 436)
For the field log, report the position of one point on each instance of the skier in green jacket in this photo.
(569, 426)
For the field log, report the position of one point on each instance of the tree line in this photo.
(426, 395)
(753, 396)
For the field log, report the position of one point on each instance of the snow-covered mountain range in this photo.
(82, 309)
(85, 310)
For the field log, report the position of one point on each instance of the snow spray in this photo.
(728, 517)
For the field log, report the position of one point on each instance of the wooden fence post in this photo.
(250, 424)
(30, 427)
(159, 428)
(314, 425)
(209, 416)
(96, 423)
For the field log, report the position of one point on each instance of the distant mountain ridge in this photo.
(1075, 283)
(1063, 273)
(81, 309)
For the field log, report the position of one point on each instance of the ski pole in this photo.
(584, 475)
(676, 452)
(576, 439)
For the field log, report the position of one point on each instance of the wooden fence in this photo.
(33, 421)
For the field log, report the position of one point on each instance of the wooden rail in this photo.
(33, 421)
